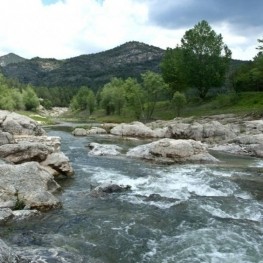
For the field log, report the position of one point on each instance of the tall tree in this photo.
(153, 87)
(171, 70)
(206, 58)
(260, 47)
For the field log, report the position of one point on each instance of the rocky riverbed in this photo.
(31, 161)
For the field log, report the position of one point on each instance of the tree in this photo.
(83, 100)
(171, 70)
(134, 97)
(153, 86)
(112, 96)
(260, 47)
(30, 99)
(206, 58)
(179, 101)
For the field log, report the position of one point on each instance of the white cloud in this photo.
(72, 27)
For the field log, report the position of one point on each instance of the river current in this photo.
(176, 213)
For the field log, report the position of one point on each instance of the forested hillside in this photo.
(94, 70)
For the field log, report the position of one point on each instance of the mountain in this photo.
(94, 70)
(10, 59)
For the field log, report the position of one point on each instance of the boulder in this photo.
(96, 130)
(6, 214)
(59, 164)
(7, 255)
(51, 141)
(24, 152)
(17, 124)
(6, 138)
(104, 149)
(134, 129)
(249, 139)
(28, 183)
(104, 189)
(173, 151)
(79, 132)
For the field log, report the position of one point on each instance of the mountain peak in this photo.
(10, 59)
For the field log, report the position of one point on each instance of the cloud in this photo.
(66, 28)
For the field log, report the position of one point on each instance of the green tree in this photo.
(113, 96)
(84, 100)
(30, 99)
(134, 96)
(171, 70)
(206, 58)
(260, 47)
(179, 101)
(153, 87)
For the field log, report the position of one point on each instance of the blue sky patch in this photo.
(49, 2)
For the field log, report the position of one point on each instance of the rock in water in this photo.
(103, 190)
(173, 151)
(28, 183)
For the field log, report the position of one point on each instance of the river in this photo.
(175, 213)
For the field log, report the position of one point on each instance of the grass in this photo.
(44, 120)
(240, 104)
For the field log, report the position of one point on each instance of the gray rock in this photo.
(134, 129)
(7, 255)
(6, 138)
(79, 132)
(59, 163)
(17, 124)
(96, 130)
(29, 183)
(173, 151)
(98, 149)
(24, 152)
(6, 214)
(106, 189)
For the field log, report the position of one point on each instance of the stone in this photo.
(6, 214)
(24, 152)
(7, 255)
(96, 130)
(173, 151)
(104, 189)
(30, 184)
(98, 149)
(79, 132)
(134, 129)
(6, 138)
(59, 164)
(18, 124)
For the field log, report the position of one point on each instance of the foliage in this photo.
(153, 86)
(179, 101)
(112, 96)
(83, 100)
(10, 96)
(205, 58)
(171, 70)
(93, 70)
(30, 99)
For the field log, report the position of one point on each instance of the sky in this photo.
(67, 28)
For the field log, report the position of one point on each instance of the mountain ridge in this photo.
(94, 70)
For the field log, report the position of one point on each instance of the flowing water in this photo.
(176, 213)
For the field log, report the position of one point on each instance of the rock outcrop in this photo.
(7, 255)
(104, 149)
(16, 124)
(173, 151)
(29, 160)
(105, 189)
(28, 183)
(134, 129)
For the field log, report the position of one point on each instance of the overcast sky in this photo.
(67, 28)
